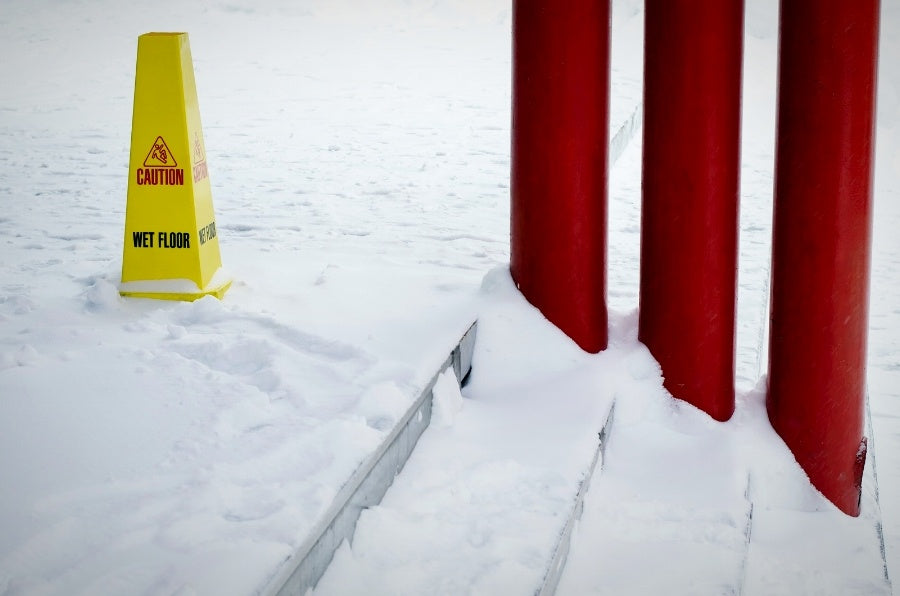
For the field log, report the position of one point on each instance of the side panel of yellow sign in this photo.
(171, 247)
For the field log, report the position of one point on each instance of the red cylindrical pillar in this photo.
(560, 124)
(821, 239)
(689, 216)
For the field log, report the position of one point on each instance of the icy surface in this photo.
(359, 157)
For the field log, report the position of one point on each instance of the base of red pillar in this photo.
(821, 239)
(690, 183)
(560, 127)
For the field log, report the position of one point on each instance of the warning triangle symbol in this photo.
(160, 155)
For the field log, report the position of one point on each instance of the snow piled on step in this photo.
(481, 503)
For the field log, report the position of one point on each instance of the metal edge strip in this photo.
(564, 542)
(300, 572)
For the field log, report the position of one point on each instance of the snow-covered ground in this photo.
(359, 158)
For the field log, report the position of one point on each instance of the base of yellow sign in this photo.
(183, 297)
(176, 289)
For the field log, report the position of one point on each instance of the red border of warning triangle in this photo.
(159, 140)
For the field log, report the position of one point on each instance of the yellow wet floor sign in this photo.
(171, 246)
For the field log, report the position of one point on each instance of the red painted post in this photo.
(821, 239)
(689, 217)
(560, 124)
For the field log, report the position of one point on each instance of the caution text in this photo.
(200, 171)
(160, 176)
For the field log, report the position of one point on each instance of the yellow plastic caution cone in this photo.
(171, 248)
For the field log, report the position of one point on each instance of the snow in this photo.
(481, 500)
(177, 286)
(359, 157)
